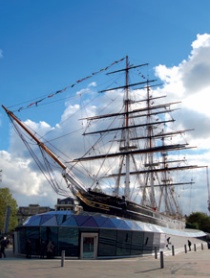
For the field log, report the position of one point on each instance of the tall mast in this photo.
(42, 145)
(67, 174)
(127, 139)
(150, 155)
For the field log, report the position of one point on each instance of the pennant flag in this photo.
(71, 86)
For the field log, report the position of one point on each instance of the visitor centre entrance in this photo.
(89, 245)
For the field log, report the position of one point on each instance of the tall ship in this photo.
(128, 159)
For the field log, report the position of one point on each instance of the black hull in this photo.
(101, 203)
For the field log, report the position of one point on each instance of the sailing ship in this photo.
(127, 170)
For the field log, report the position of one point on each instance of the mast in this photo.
(67, 174)
(167, 189)
(42, 145)
(127, 139)
(126, 150)
(207, 176)
(149, 144)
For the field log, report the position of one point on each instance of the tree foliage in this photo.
(6, 200)
(198, 220)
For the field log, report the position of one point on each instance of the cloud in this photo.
(187, 82)
(196, 69)
(192, 75)
(25, 184)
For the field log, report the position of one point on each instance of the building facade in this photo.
(30, 210)
(90, 236)
(65, 204)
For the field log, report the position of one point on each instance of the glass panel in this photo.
(90, 223)
(49, 234)
(21, 240)
(70, 222)
(68, 240)
(148, 242)
(123, 243)
(123, 225)
(107, 243)
(108, 224)
(136, 226)
(116, 222)
(33, 236)
(61, 219)
(34, 220)
(45, 217)
(88, 247)
(88, 230)
(99, 220)
(51, 222)
(80, 219)
(156, 241)
(137, 243)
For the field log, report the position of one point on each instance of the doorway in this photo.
(89, 245)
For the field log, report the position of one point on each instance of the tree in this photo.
(6, 200)
(198, 220)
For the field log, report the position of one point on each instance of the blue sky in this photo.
(47, 45)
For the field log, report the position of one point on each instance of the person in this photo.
(28, 249)
(3, 245)
(189, 244)
(50, 250)
(168, 242)
(42, 249)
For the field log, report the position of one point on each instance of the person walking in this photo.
(28, 249)
(3, 245)
(50, 250)
(189, 245)
(42, 249)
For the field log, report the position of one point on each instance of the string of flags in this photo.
(36, 103)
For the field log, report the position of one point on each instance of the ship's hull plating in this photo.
(101, 203)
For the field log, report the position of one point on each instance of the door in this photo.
(89, 245)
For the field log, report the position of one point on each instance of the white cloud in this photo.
(191, 76)
(201, 41)
(92, 84)
(24, 183)
(190, 83)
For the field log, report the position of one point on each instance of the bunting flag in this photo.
(35, 103)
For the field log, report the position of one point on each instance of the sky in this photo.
(47, 45)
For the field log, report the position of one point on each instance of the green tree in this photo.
(6, 200)
(198, 220)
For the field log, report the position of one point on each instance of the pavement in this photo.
(190, 264)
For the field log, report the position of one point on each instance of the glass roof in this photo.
(91, 220)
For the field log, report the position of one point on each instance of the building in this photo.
(65, 204)
(27, 211)
(86, 235)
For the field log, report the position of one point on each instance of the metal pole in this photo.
(161, 260)
(185, 248)
(155, 252)
(194, 247)
(173, 253)
(7, 219)
(62, 258)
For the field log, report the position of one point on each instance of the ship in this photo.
(129, 168)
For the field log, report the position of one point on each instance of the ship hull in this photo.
(101, 203)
